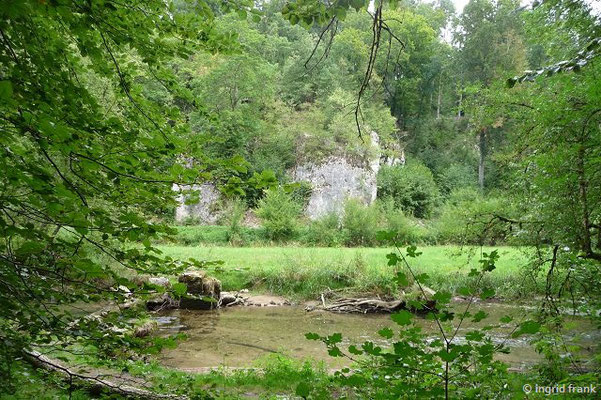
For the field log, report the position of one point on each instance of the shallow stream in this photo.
(240, 336)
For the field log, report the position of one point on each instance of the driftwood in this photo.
(365, 306)
(95, 381)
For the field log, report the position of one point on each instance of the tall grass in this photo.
(305, 272)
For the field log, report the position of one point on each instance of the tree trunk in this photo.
(460, 104)
(583, 191)
(439, 97)
(482, 154)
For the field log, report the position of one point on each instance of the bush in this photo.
(468, 218)
(326, 231)
(393, 220)
(411, 187)
(233, 217)
(360, 223)
(457, 176)
(279, 214)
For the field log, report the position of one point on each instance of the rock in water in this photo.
(227, 298)
(193, 280)
(203, 291)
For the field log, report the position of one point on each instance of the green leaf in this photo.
(385, 236)
(335, 352)
(442, 297)
(393, 259)
(527, 328)
(354, 350)
(506, 319)
(473, 272)
(312, 336)
(6, 90)
(386, 333)
(180, 289)
(402, 317)
(479, 316)
(487, 293)
(30, 248)
(371, 349)
(303, 389)
(334, 338)
(474, 336)
(401, 279)
(412, 252)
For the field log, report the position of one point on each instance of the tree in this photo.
(491, 47)
(85, 153)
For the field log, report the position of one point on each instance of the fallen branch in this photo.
(96, 381)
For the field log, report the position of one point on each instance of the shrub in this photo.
(457, 176)
(326, 231)
(393, 220)
(360, 223)
(279, 214)
(411, 187)
(233, 216)
(468, 218)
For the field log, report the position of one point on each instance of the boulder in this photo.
(197, 303)
(227, 298)
(193, 280)
(203, 291)
(160, 281)
(146, 328)
(161, 302)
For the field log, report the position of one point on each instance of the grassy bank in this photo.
(305, 272)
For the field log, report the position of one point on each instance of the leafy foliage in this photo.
(414, 365)
(279, 213)
(411, 187)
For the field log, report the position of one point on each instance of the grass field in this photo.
(304, 272)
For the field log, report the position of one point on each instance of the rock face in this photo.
(332, 180)
(205, 211)
(203, 291)
(335, 180)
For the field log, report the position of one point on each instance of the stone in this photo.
(161, 302)
(197, 303)
(227, 298)
(160, 281)
(205, 211)
(203, 291)
(336, 179)
(146, 328)
(194, 280)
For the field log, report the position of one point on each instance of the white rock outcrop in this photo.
(336, 179)
(205, 210)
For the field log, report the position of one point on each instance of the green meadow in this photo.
(305, 272)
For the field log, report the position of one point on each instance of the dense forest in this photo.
(471, 236)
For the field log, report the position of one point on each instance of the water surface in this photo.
(239, 336)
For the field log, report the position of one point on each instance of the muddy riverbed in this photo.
(242, 336)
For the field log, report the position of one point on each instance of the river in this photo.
(242, 336)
